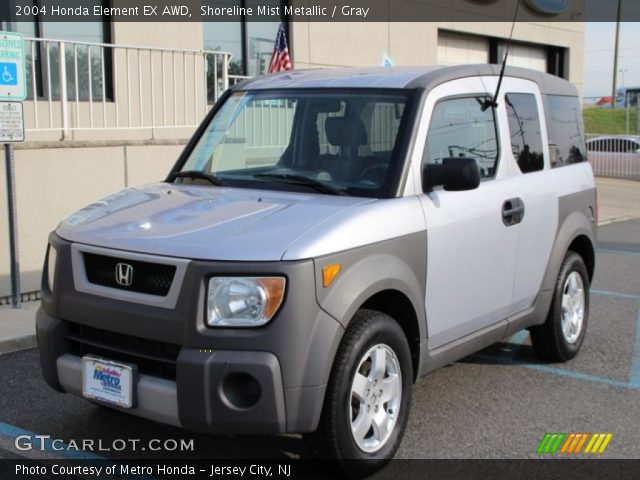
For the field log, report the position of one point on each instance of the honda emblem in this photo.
(124, 274)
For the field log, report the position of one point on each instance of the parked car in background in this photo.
(615, 156)
(614, 144)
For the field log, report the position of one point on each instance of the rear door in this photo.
(536, 187)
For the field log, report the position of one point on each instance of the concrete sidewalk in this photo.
(619, 200)
(18, 327)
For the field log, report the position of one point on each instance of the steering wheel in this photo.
(374, 173)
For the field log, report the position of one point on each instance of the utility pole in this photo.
(615, 55)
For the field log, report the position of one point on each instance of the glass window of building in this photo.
(226, 37)
(249, 42)
(42, 55)
(260, 39)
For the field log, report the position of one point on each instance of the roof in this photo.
(426, 77)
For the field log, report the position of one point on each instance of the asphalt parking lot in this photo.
(498, 403)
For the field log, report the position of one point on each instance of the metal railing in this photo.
(82, 85)
(614, 155)
(235, 79)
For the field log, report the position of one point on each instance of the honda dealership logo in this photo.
(124, 274)
(550, 7)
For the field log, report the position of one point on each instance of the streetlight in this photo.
(622, 72)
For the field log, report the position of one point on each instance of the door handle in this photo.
(512, 211)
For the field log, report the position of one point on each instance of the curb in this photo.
(17, 343)
(624, 218)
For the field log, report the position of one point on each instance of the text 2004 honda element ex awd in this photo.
(326, 238)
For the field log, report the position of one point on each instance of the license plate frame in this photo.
(109, 382)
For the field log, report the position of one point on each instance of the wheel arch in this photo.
(398, 306)
(385, 278)
(582, 246)
(577, 233)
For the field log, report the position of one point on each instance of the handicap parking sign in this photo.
(12, 73)
(8, 73)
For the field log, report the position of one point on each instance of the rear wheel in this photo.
(368, 397)
(561, 336)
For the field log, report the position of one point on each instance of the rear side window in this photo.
(524, 129)
(459, 128)
(566, 130)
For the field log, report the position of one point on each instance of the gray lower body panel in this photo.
(462, 347)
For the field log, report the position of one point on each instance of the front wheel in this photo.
(559, 339)
(368, 397)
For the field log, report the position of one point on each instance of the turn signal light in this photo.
(329, 272)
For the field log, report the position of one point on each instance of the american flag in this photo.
(280, 60)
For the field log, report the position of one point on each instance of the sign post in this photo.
(12, 92)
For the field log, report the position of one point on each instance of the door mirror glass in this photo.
(453, 174)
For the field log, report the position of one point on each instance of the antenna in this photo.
(493, 102)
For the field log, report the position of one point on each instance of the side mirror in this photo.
(454, 174)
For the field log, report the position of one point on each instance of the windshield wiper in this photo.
(301, 180)
(198, 174)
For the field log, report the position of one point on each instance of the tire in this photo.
(372, 337)
(560, 340)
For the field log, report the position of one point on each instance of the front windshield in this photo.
(329, 141)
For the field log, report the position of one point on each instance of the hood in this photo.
(202, 222)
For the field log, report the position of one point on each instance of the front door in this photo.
(472, 236)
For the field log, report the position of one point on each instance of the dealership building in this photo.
(111, 104)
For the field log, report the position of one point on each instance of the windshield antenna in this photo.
(493, 102)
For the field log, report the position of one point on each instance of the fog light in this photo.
(241, 390)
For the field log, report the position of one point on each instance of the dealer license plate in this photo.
(108, 382)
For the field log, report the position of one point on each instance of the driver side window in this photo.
(461, 129)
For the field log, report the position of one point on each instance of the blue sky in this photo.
(598, 56)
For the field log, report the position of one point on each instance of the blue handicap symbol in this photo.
(8, 73)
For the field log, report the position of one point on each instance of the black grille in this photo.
(149, 278)
(152, 357)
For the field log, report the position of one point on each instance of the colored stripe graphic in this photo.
(551, 442)
(582, 442)
(598, 443)
(543, 443)
(567, 443)
(604, 445)
(573, 443)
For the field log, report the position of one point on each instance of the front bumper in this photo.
(211, 393)
(266, 380)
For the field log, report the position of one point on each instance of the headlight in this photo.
(52, 256)
(243, 301)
